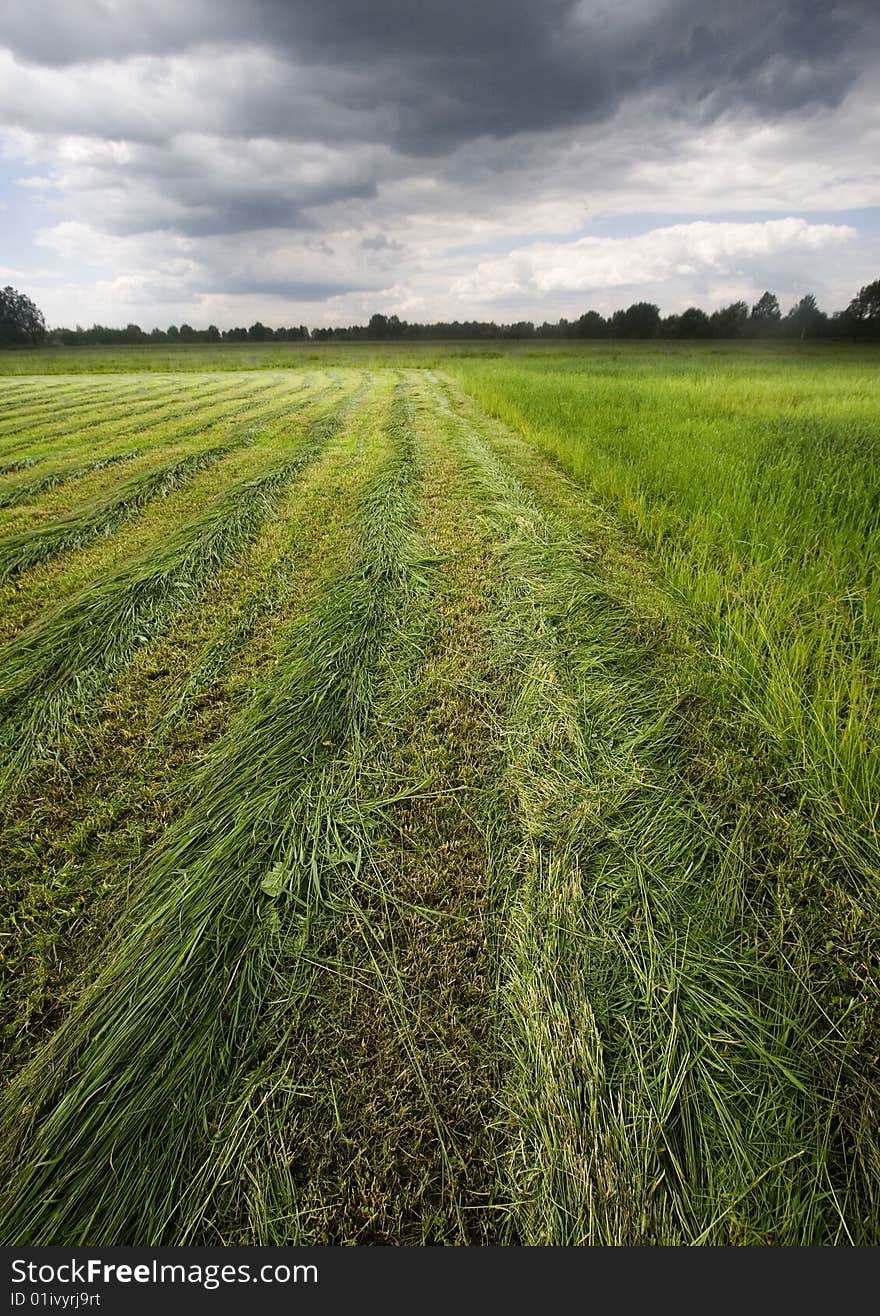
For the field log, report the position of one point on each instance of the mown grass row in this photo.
(20, 552)
(757, 492)
(65, 410)
(47, 403)
(673, 1074)
(72, 841)
(21, 464)
(26, 490)
(112, 427)
(102, 515)
(162, 1130)
(254, 432)
(65, 425)
(230, 415)
(51, 671)
(380, 1083)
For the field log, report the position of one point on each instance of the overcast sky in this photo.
(317, 160)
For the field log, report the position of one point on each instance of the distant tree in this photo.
(641, 320)
(521, 329)
(693, 323)
(260, 333)
(172, 333)
(187, 334)
(21, 323)
(765, 312)
(866, 306)
(590, 325)
(805, 318)
(730, 321)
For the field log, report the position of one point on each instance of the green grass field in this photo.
(440, 795)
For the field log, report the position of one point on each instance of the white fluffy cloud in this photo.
(702, 253)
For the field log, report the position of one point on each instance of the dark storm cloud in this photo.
(210, 218)
(181, 144)
(426, 77)
(189, 207)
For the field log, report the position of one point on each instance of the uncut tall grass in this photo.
(754, 485)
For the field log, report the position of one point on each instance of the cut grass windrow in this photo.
(28, 489)
(133, 1131)
(209, 403)
(196, 419)
(270, 591)
(138, 400)
(395, 1113)
(20, 552)
(50, 673)
(72, 842)
(71, 431)
(671, 1075)
(22, 464)
(69, 404)
(23, 599)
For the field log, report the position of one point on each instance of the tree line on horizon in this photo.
(22, 324)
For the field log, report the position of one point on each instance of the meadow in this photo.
(440, 794)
